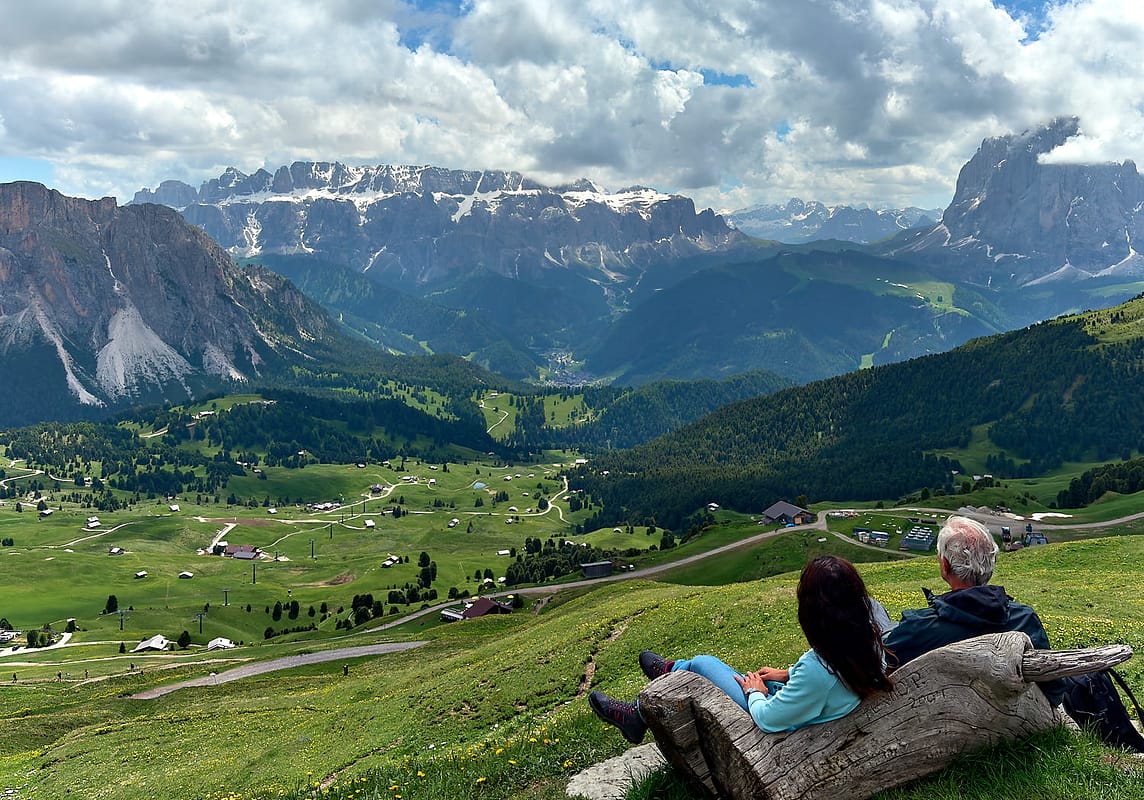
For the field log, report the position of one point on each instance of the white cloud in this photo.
(865, 101)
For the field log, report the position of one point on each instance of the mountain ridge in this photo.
(120, 304)
(801, 221)
(418, 224)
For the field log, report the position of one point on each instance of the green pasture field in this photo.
(495, 708)
(499, 415)
(490, 708)
(1023, 495)
(787, 552)
(561, 413)
(729, 527)
(59, 569)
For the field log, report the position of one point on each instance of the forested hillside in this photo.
(804, 314)
(402, 322)
(199, 452)
(621, 417)
(1068, 389)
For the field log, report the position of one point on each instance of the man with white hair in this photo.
(967, 553)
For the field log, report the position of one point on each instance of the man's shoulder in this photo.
(914, 621)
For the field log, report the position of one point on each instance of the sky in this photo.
(734, 103)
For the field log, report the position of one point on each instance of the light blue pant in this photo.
(718, 673)
(714, 670)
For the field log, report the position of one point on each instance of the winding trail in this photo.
(27, 474)
(504, 416)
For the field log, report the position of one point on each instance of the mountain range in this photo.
(415, 225)
(572, 283)
(565, 285)
(798, 221)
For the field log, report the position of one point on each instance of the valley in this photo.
(386, 518)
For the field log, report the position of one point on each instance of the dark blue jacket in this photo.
(963, 614)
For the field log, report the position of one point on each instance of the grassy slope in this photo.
(431, 722)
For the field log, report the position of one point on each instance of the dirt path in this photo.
(286, 662)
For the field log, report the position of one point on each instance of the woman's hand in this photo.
(772, 674)
(753, 681)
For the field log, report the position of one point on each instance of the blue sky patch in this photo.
(429, 22)
(25, 169)
(1031, 11)
(714, 78)
(711, 77)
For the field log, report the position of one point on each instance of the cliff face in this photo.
(1017, 220)
(102, 305)
(419, 224)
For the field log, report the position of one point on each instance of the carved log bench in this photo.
(955, 699)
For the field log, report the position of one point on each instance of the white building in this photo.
(156, 642)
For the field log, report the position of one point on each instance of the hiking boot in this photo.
(623, 715)
(654, 665)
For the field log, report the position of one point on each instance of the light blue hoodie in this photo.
(812, 694)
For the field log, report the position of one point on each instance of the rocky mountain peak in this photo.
(1016, 219)
(102, 305)
(418, 224)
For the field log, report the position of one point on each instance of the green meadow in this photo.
(486, 708)
(494, 708)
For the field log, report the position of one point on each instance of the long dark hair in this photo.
(834, 613)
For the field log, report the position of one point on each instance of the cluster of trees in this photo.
(550, 559)
(291, 608)
(271, 632)
(330, 429)
(1123, 478)
(408, 595)
(292, 431)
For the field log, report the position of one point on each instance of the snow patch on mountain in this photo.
(638, 199)
(250, 234)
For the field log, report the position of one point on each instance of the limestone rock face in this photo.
(102, 305)
(418, 224)
(1016, 219)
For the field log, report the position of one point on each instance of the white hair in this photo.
(969, 548)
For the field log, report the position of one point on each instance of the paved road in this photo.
(287, 662)
(1050, 523)
(545, 589)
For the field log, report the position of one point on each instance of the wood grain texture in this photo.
(959, 698)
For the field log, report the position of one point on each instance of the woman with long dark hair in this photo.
(845, 664)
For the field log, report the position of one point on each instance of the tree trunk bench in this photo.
(952, 700)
